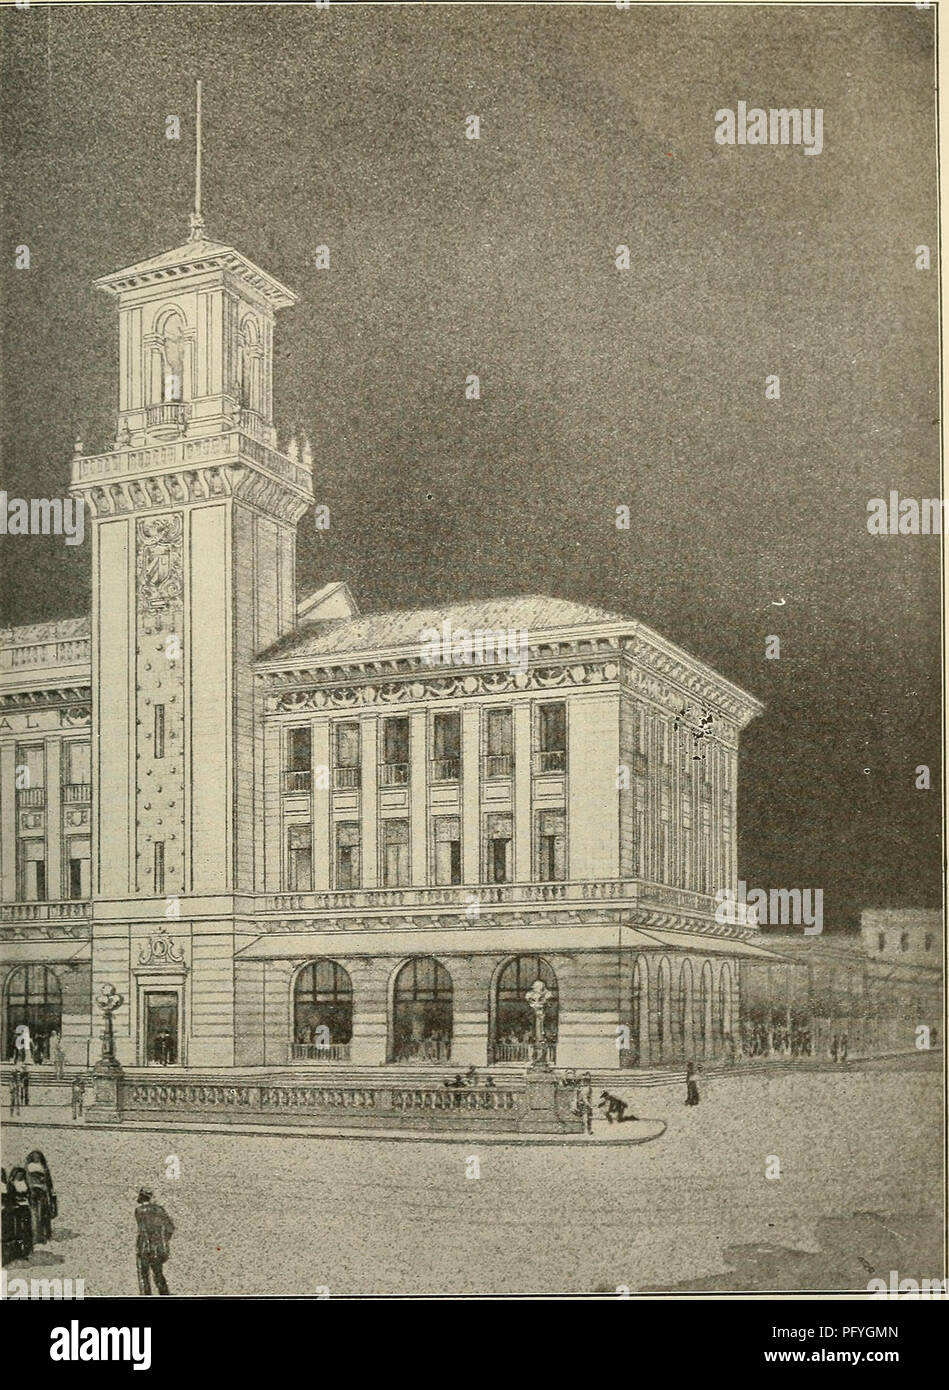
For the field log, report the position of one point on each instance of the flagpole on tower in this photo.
(197, 221)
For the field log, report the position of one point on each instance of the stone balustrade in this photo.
(346, 1104)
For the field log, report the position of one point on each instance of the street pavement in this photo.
(854, 1158)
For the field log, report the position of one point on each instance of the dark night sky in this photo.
(600, 388)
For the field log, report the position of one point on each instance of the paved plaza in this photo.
(859, 1156)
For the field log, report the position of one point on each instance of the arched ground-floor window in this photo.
(664, 1019)
(322, 1012)
(514, 1022)
(705, 1011)
(421, 1012)
(639, 1019)
(32, 996)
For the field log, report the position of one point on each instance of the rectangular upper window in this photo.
(551, 846)
(298, 749)
(447, 837)
(347, 745)
(499, 743)
(348, 870)
(394, 750)
(30, 767)
(499, 847)
(78, 762)
(551, 752)
(299, 858)
(395, 853)
(446, 746)
(33, 871)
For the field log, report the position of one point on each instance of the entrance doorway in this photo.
(161, 1027)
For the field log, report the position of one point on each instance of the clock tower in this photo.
(193, 515)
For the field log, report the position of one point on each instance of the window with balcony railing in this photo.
(551, 750)
(394, 767)
(31, 773)
(446, 747)
(297, 776)
(347, 756)
(499, 741)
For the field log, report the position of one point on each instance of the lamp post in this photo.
(540, 1111)
(107, 1072)
(538, 997)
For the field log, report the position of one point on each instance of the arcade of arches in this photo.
(474, 1010)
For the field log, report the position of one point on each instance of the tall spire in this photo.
(196, 221)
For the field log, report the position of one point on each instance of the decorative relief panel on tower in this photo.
(159, 567)
(159, 705)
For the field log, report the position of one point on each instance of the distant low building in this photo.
(885, 981)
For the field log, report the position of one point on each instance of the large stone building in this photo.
(284, 831)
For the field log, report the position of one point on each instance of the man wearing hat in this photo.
(155, 1229)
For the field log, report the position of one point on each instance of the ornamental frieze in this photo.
(444, 687)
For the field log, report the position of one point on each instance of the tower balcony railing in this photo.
(31, 796)
(346, 778)
(188, 452)
(297, 781)
(252, 423)
(167, 413)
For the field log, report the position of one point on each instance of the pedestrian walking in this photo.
(14, 1094)
(22, 1078)
(153, 1244)
(78, 1095)
(691, 1085)
(582, 1108)
(57, 1056)
(586, 1085)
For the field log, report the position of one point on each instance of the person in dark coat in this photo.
(155, 1229)
(613, 1107)
(42, 1195)
(691, 1085)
